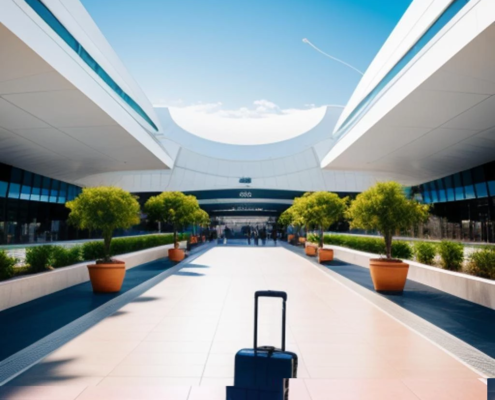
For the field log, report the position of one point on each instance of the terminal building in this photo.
(71, 116)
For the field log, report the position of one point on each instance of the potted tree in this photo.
(105, 209)
(293, 217)
(203, 221)
(385, 208)
(321, 210)
(176, 209)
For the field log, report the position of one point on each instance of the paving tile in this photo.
(358, 389)
(184, 333)
(170, 371)
(40, 392)
(447, 389)
(144, 381)
(135, 393)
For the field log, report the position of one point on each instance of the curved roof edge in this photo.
(173, 137)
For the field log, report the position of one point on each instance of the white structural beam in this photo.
(438, 116)
(57, 117)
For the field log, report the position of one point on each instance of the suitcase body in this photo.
(266, 368)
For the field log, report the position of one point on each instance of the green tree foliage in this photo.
(174, 208)
(320, 210)
(385, 208)
(105, 209)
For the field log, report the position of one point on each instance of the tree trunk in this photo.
(388, 244)
(321, 236)
(176, 243)
(107, 240)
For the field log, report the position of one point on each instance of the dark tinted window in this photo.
(54, 191)
(62, 196)
(449, 188)
(36, 190)
(479, 182)
(433, 192)
(468, 185)
(26, 185)
(45, 189)
(458, 187)
(442, 196)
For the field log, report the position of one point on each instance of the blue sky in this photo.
(232, 52)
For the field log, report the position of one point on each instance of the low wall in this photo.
(26, 288)
(477, 290)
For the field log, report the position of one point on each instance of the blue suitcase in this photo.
(266, 368)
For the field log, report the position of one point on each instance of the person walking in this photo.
(249, 235)
(274, 235)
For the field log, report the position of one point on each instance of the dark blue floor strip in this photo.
(470, 322)
(27, 323)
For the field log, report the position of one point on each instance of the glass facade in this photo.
(449, 13)
(71, 41)
(475, 183)
(463, 203)
(32, 207)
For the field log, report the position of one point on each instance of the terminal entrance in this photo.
(239, 227)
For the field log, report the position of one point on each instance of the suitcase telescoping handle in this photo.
(268, 293)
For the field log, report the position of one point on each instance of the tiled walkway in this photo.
(178, 340)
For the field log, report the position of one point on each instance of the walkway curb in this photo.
(26, 358)
(460, 350)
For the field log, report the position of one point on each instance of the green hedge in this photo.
(40, 258)
(482, 263)
(425, 252)
(6, 265)
(400, 249)
(451, 255)
(95, 251)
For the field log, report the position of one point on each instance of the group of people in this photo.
(254, 234)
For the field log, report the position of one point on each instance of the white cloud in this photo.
(263, 122)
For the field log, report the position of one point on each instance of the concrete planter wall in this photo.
(30, 287)
(477, 290)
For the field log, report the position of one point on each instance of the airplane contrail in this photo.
(332, 57)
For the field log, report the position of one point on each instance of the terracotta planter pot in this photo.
(290, 237)
(302, 240)
(107, 278)
(176, 255)
(311, 250)
(388, 275)
(325, 255)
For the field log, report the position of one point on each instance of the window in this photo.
(62, 197)
(468, 184)
(433, 192)
(442, 196)
(3, 189)
(449, 188)
(426, 194)
(54, 191)
(26, 185)
(458, 187)
(36, 190)
(489, 170)
(479, 182)
(45, 189)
